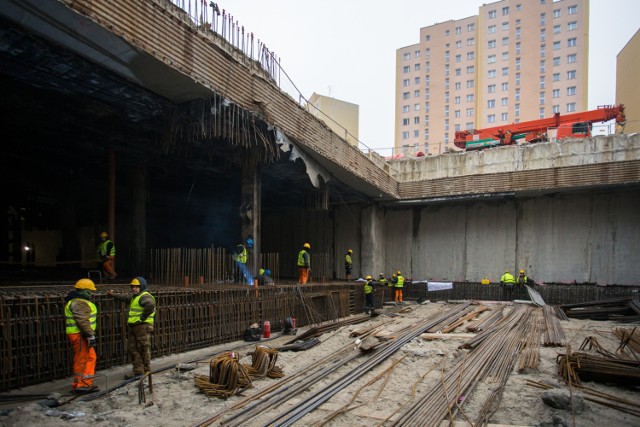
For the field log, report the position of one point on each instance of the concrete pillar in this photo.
(138, 239)
(372, 241)
(250, 212)
(112, 194)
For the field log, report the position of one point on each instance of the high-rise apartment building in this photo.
(517, 60)
(627, 89)
(341, 116)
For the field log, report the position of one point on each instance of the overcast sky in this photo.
(346, 48)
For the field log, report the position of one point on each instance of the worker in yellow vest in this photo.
(304, 264)
(348, 264)
(107, 256)
(142, 312)
(508, 282)
(368, 295)
(398, 283)
(81, 321)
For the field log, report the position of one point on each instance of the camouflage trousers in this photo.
(139, 347)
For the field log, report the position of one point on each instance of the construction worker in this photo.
(142, 312)
(508, 282)
(522, 279)
(107, 256)
(398, 282)
(264, 277)
(368, 295)
(81, 321)
(348, 264)
(304, 264)
(240, 257)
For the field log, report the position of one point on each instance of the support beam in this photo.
(139, 196)
(372, 239)
(250, 211)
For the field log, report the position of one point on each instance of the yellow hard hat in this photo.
(350, 251)
(368, 277)
(85, 284)
(306, 246)
(104, 234)
(522, 271)
(398, 273)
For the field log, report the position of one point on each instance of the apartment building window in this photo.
(491, 103)
(571, 42)
(543, 35)
(446, 99)
(518, 7)
(416, 67)
(542, 66)
(491, 88)
(459, 57)
(543, 19)
(505, 41)
(458, 44)
(505, 86)
(556, 45)
(456, 100)
(491, 29)
(517, 110)
(416, 93)
(456, 127)
(571, 90)
(446, 122)
(518, 95)
(572, 26)
(541, 82)
(572, 58)
(505, 11)
(427, 53)
(518, 33)
(505, 71)
(470, 83)
(543, 50)
(405, 108)
(406, 69)
(471, 41)
(405, 95)
(446, 56)
(556, 29)
(505, 56)
(427, 67)
(426, 107)
(505, 26)
(556, 13)
(491, 74)
(518, 21)
(556, 61)
(406, 56)
(517, 79)
(426, 138)
(416, 80)
(405, 122)
(446, 33)
(571, 75)
(492, 14)
(572, 10)
(504, 102)
(416, 54)
(416, 133)
(471, 56)
(458, 71)
(491, 44)
(542, 98)
(456, 114)
(571, 106)
(469, 112)
(556, 77)
(426, 80)
(427, 37)
(555, 109)
(517, 48)
(405, 82)
(457, 86)
(491, 118)
(504, 117)
(470, 97)
(446, 69)
(416, 107)
(556, 93)
(426, 120)
(446, 83)
(405, 135)
(426, 93)
(471, 69)
(541, 114)
(458, 30)
(491, 59)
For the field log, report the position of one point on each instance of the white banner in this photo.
(439, 286)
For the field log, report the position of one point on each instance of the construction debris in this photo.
(619, 309)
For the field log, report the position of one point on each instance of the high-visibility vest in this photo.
(71, 326)
(102, 248)
(347, 261)
(242, 256)
(508, 278)
(301, 262)
(368, 288)
(135, 310)
(400, 282)
(523, 280)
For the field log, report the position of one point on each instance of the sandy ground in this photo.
(177, 402)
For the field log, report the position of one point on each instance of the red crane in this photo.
(576, 125)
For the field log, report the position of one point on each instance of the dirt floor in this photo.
(177, 402)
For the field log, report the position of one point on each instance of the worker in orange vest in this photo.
(81, 320)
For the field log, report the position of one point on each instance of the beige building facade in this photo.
(342, 117)
(627, 88)
(515, 61)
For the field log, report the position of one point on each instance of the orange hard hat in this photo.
(104, 234)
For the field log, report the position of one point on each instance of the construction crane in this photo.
(575, 125)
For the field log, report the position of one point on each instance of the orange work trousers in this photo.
(303, 276)
(108, 267)
(398, 294)
(84, 361)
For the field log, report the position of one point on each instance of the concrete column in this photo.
(112, 194)
(250, 212)
(372, 245)
(138, 239)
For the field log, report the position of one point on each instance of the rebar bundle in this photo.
(263, 363)
(554, 334)
(629, 342)
(226, 377)
(577, 367)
